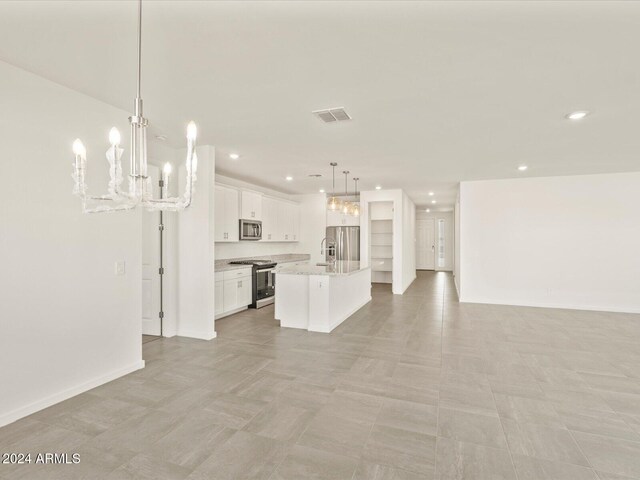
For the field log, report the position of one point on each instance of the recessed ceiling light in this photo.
(427, 210)
(433, 201)
(289, 178)
(579, 115)
(234, 156)
(378, 187)
(322, 190)
(431, 194)
(522, 168)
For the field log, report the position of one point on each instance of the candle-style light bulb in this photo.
(114, 136)
(167, 169)
(78, 148)
(192, 131)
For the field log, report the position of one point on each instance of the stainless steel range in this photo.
(264, 281)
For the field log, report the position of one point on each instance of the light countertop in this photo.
(335, 269)
(224, 265)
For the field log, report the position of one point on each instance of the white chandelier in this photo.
(140, 188)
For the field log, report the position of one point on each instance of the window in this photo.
(441, 243)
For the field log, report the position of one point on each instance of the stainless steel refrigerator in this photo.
(346, 241)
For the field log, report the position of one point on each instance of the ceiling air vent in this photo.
(330, 115)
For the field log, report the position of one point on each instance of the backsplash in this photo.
(248, 249)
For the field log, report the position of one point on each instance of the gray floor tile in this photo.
(335, 434)
(243, 456)
(355, 406)
(306, 395)
(403, 449)
(415, 417)
(601, 423)
(468, 461)
(610, 454)
(541, 441)
(280, 422)
(473, 398)
(529, 468)
(527, 410)
(546, 376)
(373, 471)
(140, 433)
(233, 411)
(143, 467)
(192, 441)
(303, 462)
(471, 427)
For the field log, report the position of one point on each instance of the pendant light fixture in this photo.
(346, 206)
(355, 206)
(334, 203)
(140, 188)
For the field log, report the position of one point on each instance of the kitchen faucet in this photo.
(330, 248)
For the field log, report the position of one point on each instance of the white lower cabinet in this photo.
(245, 291)
(233, 291)
(290, 264)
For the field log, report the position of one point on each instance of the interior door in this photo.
(151, 263)
(425, 244)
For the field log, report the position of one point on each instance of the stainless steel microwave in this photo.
(250, 230)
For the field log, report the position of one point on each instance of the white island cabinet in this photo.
(319, 298)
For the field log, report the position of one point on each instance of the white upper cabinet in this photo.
(339, 219)
(295, 215)
(226, 214)
(269, 219)
(285, 220)
(280, 218)
(280, 221)
(251, 205)
(381, 210)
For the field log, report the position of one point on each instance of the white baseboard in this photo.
(231, 312)
(198, 335)
(591, 308)
(38, 405)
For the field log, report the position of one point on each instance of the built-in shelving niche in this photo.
(381, 241)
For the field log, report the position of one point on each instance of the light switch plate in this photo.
(120, 268)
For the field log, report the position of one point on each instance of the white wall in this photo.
(456, 242)
(568, 242)
(313, 225)
(404, 262)
(196, 280)
(408, 241)
(448, 218)
(67, 322)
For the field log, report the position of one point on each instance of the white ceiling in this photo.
(439, 92)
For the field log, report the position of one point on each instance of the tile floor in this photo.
(410, 387)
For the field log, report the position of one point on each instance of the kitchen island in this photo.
(319, 298)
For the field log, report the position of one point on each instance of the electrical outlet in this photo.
(120, 268)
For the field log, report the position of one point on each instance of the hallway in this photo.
(410, 387)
